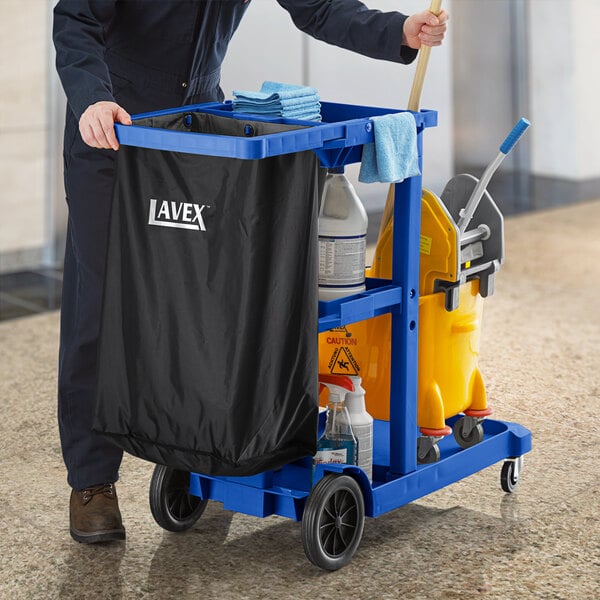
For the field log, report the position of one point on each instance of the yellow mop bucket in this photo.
(449, 380)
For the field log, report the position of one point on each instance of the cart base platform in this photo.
(284, 491)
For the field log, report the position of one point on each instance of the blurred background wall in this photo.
(502, 59)
(24, 133)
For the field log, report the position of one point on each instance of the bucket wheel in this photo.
(468, 431)
(427, 449)
(333, 521)
(171, 504)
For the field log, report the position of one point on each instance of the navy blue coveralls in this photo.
(148, 55)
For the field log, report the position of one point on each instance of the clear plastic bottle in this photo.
(342, 238)
(338, 443)
(361, 423)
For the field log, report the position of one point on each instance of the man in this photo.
(117, 57)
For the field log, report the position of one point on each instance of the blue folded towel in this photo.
(303, 116)
(297, 104)
(280, 100)
(274, 91)
(393, 156)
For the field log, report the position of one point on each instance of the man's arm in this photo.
(351, 25)
(78, 35)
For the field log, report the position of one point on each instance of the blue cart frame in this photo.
(397, 477)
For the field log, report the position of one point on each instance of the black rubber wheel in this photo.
(508, 479)
(171, 504)
(466, 441)
(333, 522)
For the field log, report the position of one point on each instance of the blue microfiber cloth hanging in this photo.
(279, 100)
(393, 156)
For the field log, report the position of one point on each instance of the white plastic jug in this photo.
(342, 238)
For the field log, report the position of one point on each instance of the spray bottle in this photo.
(361, 423)
(338, 444)
(342, 238)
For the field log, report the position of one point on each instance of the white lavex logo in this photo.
(184, 215)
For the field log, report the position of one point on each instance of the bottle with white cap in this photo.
(342, 238)
(361, 423)
(338, 443)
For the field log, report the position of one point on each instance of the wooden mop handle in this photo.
(417, 87)
(413, 105)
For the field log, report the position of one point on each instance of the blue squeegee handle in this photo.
(466, 214)
(513, 137)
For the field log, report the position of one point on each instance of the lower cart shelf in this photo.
(284, 492)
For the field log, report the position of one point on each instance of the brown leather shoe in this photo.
(95, 515)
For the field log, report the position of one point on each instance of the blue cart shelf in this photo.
(332, 500)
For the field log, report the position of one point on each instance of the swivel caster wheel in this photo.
(171, 504)
(468, 432)
(509, 476)
(427, 449)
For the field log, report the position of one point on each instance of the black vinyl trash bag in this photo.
(208, 345)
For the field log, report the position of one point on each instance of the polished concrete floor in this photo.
(540, 357)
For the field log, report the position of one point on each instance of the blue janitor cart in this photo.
(332, 500)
